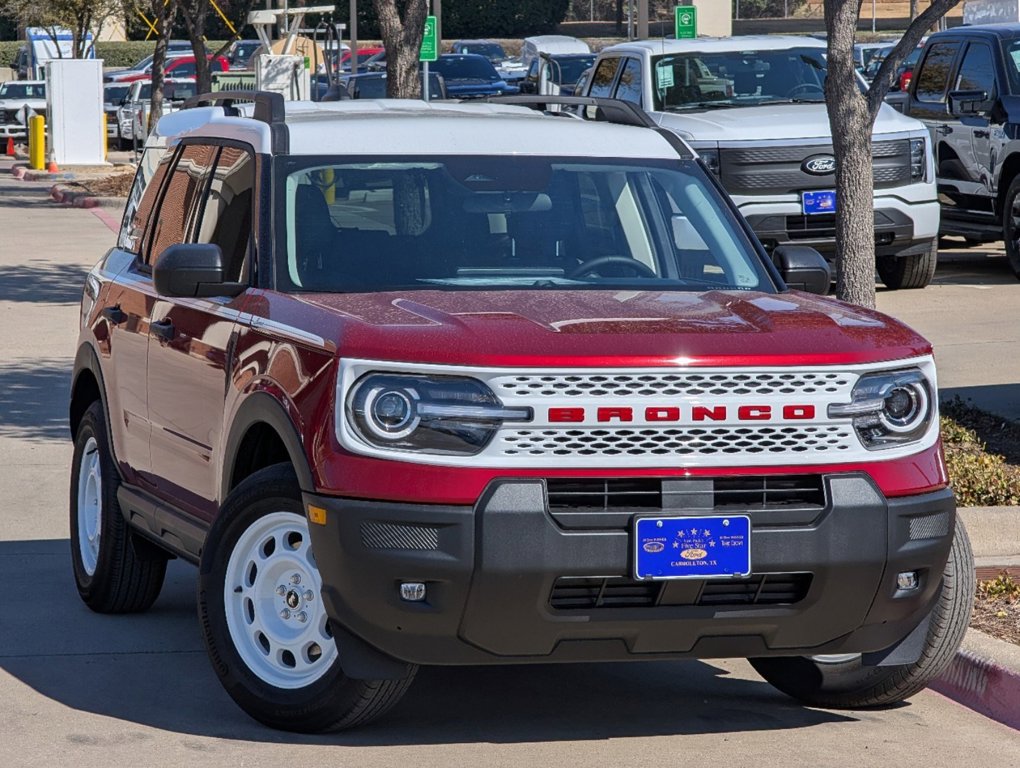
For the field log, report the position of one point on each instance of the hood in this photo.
(613, 327)
(771, 121)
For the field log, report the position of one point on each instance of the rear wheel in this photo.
(913, 271)
(1011, 225)
(843, 682)
(114, 571)
(263, 618)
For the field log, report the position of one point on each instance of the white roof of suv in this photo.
(402, 127)
(719, 44)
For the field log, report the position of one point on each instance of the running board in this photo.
(162, 524)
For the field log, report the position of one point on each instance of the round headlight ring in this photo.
(391, 413)
(906, 407)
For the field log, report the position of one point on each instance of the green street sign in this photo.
(686, 21)
(429, 44)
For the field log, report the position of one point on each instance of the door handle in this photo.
(981, 134)
(163, 329)
(114, 314)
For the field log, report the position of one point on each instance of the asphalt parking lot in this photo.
(85, 690)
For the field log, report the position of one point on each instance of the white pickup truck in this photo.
(754, 109)
(19, 99)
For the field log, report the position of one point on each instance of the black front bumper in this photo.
(894, 233)
(508, 582)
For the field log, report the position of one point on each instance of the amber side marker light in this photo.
(316, 515)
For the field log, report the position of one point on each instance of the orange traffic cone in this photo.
(10, 146)
(51, 167)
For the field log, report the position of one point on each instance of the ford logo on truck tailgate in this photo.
(819, 165)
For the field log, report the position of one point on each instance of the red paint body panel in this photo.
(366, 478)
(559, 329)
(632, 328)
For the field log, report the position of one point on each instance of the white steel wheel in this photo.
(90, 506)
(273, 606)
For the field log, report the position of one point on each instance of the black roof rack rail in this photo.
(610, 110)
(615, 111)
(269, 108)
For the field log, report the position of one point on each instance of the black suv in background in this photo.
(966, 89)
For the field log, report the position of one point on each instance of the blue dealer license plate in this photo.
(823, 201)
(692, 547)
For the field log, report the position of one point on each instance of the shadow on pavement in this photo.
(151, 669)
(42, 281)
(33, 399)
(1002, 400)
(977, 265)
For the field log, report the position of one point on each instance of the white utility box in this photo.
(74, 102)
(283, 74)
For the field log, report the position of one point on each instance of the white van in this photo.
(553, 44)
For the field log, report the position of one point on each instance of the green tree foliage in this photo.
(766, 9)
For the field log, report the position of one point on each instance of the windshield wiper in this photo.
(705, 105)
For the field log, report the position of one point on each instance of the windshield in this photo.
(506, 222)
(465, 68)
(22, 91)
(492, 51)
(566, 69)
(738, 78)
(114, 94)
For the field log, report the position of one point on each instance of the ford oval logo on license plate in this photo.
(819, 165)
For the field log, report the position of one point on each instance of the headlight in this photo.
(710, 157)
(432, 414)
(917, 159)
(889, 409)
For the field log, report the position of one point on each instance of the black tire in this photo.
(914, 271)
(850, 685)
(266, 508)
(120, 573)
(1011, 225)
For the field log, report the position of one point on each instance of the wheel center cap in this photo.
(293, 600)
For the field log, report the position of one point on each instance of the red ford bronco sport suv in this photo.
(436, 383)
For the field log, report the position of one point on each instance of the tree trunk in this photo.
(850, 123)
(195, 14)
(851, 119)
(401, 36)
(164, 14)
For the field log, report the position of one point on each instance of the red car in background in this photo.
(182, 66)
(364, 54)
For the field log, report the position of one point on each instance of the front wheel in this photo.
(264, 622)
(1011, 225)
(913, 271)
(843, 682)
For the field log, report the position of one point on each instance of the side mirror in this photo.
(803, 268)
(968, 102)
(192, 270)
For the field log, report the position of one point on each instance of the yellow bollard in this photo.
(328, 185)
(37, 142)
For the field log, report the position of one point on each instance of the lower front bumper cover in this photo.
(490, 571)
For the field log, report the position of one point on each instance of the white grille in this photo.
(823, 440)
(672, 384)
(628, 418)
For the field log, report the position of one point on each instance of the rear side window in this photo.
(602, 79)
(144, 193)
(934, 75)
(977, 73)
(177, 212)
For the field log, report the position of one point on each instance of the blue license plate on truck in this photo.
(819, 202)
(692, 547)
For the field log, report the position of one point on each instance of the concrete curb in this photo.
(77, 199)
(985, 676)
(23, 173)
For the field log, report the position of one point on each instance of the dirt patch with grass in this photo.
(115, 183)
(997, 608)
(982, 455)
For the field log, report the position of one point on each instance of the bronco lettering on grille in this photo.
(675, 414)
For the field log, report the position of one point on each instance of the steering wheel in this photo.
(808, 87)
(591, 265)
